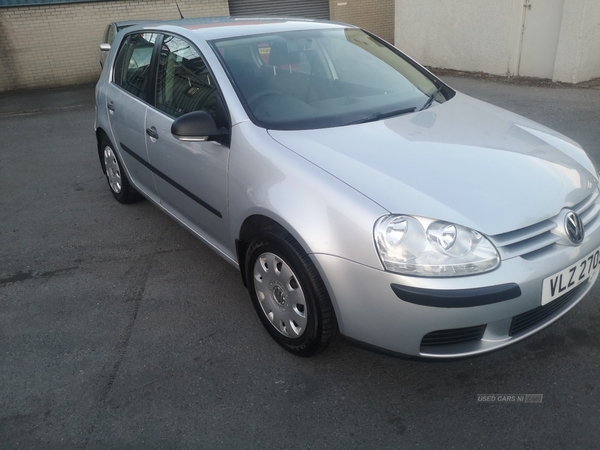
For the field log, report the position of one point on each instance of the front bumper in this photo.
(370, 308)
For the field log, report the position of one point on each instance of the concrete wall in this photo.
(471, 35)
(578, 55)
(376, 16)
(53, 45)
(503, 37)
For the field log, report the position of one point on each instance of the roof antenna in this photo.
(178, 9)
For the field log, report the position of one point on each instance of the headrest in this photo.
(281, 56)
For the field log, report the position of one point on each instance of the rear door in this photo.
(126, 99)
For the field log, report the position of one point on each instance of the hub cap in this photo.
(280, 295)
(112, 169)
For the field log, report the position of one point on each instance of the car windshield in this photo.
(322, 78)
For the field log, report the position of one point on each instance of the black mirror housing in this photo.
(196, 126)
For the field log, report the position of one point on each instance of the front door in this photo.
(191, 177)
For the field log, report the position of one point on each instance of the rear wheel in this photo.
(288, 293)
(116, 177)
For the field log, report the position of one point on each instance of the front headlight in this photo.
(419, 246)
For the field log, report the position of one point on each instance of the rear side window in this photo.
(184, 83)
(132, 67)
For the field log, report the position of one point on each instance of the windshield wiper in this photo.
(379, 116)
(432, 98)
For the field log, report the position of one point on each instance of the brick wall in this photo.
(376, 16)
(57, 45)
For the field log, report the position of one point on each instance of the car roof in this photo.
(128, 23)
(209, 28)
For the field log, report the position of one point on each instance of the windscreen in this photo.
(322, 78)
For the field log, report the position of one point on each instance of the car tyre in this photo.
(288, 293)
(115, 175)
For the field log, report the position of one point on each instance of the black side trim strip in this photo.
(170, 181)
(457, 298)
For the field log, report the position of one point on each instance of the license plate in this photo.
(568, 279)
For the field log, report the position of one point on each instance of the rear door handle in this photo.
(152, 132)
(111, 106)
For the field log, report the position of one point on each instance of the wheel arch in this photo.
(250, 227)
(100, 135)
(258, 232)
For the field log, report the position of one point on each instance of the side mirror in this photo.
(197, 126)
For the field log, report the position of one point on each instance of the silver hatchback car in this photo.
(355, 191)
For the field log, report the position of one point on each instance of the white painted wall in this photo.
(578, 55)
(558, 39)
(541, 34)
(471, 35)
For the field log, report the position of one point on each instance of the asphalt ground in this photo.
(119, 330)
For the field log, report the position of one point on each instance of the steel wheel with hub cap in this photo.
(288, 293)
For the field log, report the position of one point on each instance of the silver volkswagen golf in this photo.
(356, 192)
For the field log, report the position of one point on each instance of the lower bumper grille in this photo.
(524, 321)
(453, 336)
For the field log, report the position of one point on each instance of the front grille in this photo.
(539, 236)
(524, 321)
(453, 336)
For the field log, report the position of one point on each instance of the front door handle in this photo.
(111, 106)
(152, 132)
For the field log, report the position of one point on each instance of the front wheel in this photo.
(288, 293)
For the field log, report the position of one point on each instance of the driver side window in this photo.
(184, 83)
